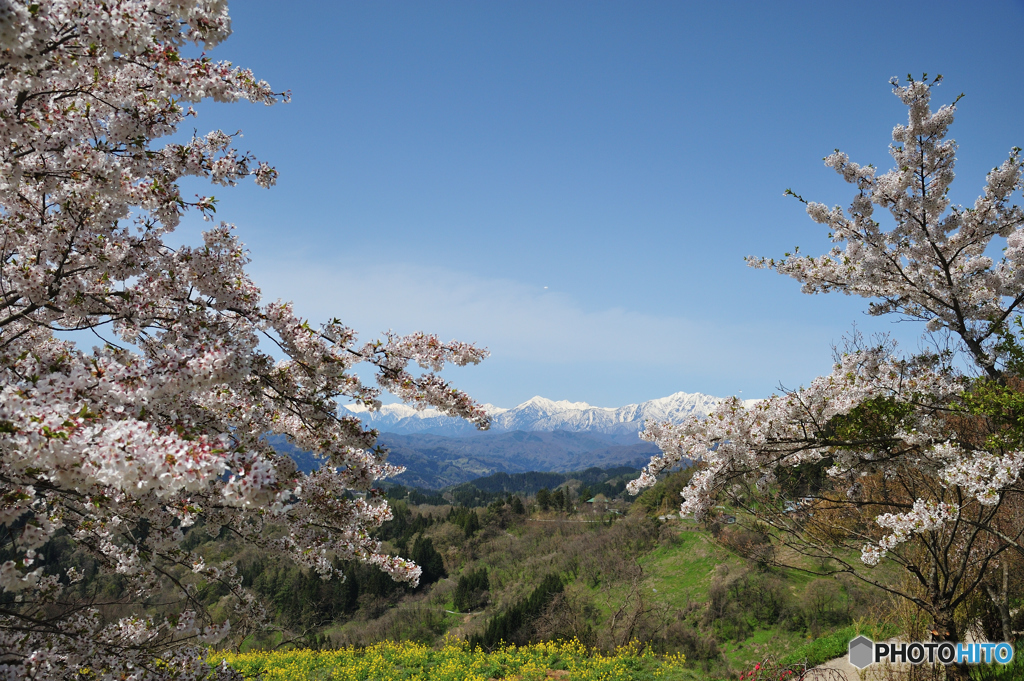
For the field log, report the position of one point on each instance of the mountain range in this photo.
(538, 435)
(541, 414)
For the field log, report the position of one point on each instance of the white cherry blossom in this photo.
(165, 421)
(934, 263)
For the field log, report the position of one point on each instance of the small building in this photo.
(597, 503)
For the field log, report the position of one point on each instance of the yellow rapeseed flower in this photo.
(454, 661)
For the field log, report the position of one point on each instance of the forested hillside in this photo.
(551, 566)
(436, 462)
(581, 485)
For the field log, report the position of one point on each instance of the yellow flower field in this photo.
(391, 661)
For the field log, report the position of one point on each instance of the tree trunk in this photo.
(945, 630)
(1001, 599)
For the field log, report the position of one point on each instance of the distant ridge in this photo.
(438, 461)
(538, 435)
(542, 414)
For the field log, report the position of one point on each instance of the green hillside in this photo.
(549, 566)
(513, 572)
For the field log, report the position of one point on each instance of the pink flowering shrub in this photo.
(770, 669)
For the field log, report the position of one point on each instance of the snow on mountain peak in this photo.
(551, 405)
(404, 411)
(541, 414)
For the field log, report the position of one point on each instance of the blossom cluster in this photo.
(751, 442)
(935, 264)
(165, 422)
(924, 516)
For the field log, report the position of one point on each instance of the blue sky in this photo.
(575, 184)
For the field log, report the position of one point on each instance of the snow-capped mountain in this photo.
(541, 414)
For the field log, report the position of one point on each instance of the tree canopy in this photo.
(911, 458)
(165, 421)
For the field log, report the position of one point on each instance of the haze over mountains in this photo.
(537, 435)
(541, 414)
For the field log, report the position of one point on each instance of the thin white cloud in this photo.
(522, 322)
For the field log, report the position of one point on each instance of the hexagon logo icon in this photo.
(862, 652)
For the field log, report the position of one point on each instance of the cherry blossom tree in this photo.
(920, 461)
(122, 447)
